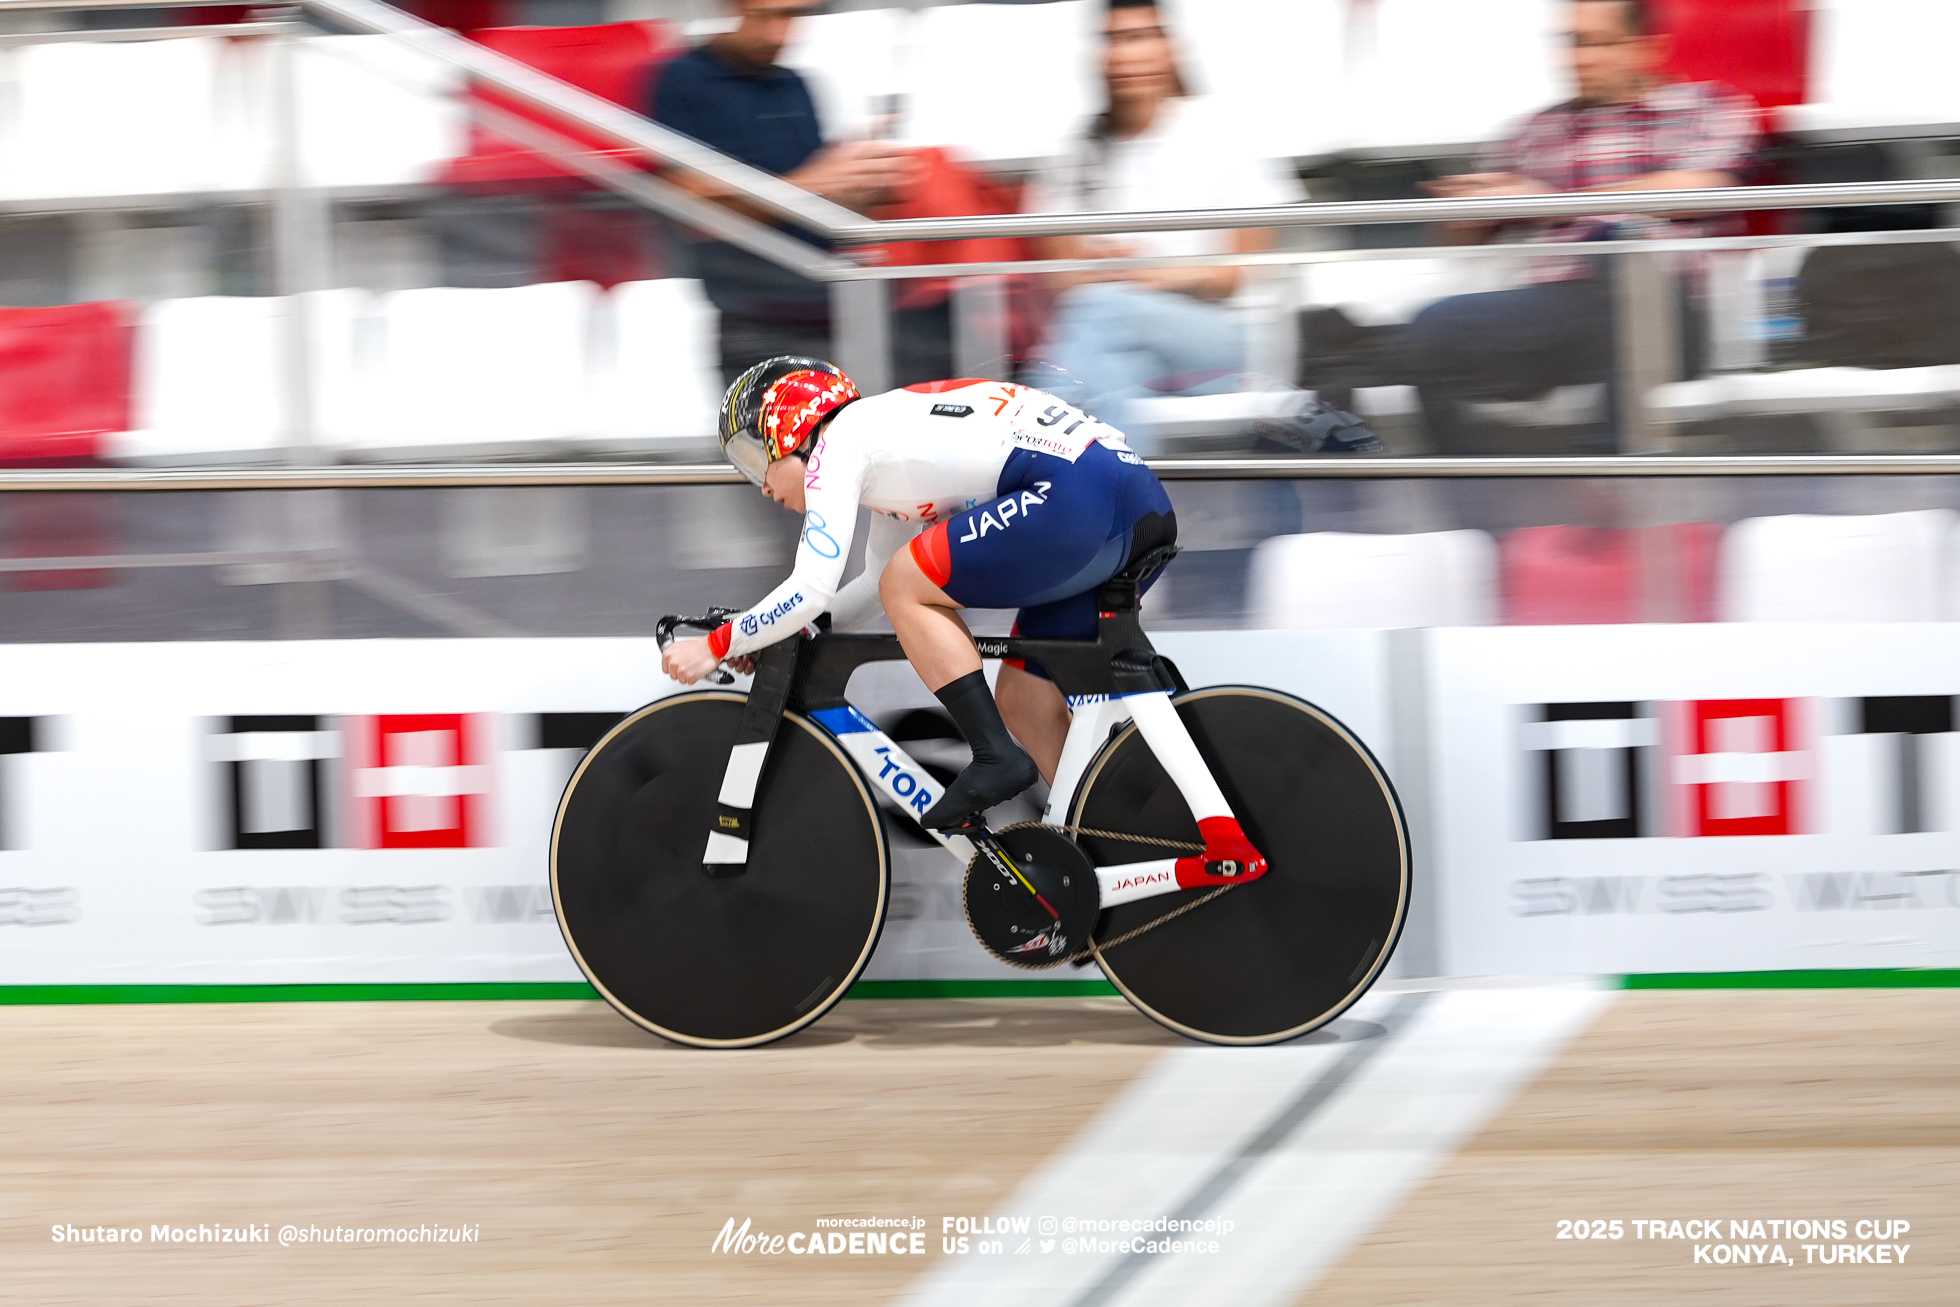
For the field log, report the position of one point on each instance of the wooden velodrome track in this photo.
(597, 1163)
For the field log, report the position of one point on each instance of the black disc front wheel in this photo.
(1273, 958)
(717, 962)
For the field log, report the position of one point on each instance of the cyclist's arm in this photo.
(829, 520)
(858, 603)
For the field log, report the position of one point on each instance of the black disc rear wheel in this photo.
(1273, 958)
(717, 962)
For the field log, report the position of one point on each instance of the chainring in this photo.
(1010, 922)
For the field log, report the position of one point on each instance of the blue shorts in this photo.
(1056, 531)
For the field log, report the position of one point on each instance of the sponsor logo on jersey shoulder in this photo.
(952, 410)
(1044, 444)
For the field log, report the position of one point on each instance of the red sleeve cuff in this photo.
(720, 638)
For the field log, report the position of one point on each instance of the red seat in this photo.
(64, 380)
(612, 60)
(1580, 576)
(947, 188)
(64, 385)
(1760, 47)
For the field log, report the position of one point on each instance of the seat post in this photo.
(1133, 661)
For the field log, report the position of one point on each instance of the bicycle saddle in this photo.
(1119, 592)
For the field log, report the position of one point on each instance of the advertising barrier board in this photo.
(378, 811)
(1721, 797)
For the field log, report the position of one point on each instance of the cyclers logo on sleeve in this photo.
(754, 622)
(1009, 508)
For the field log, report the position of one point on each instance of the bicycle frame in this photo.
(1115, 678)
(892, 772)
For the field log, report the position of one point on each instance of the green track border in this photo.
(17, 995)
(578, 990)
(24, 994)
(1899, 978)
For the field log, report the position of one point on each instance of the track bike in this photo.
(721, 869)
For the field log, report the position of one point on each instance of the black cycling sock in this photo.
(1000, 768)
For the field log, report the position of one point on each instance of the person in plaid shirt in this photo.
(1626, 130)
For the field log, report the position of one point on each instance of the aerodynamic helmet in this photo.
(773, 409)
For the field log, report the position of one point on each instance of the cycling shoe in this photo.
(980, 787)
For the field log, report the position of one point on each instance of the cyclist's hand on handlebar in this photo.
(687, 661)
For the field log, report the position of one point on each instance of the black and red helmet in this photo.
(772, 410)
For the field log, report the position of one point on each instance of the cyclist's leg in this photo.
(1030, 702)
(1036, 714)
(1058, 530)
(1046, 535)
(928, 623)
(940, 648)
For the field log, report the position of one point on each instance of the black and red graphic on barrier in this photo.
(1741, 767)
(16, 736)
(1701, 769)
(275, 780)
(419, 780)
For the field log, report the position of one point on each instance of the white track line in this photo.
(1303, 1147)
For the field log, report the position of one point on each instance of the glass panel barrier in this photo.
(610, 560)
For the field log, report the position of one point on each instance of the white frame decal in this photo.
(892, 772)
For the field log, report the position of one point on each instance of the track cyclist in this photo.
(1001, 496)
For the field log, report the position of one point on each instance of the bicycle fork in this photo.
(727, 853)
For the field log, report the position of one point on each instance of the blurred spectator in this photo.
(1626, 130)
(731, 94)
(1161, 330)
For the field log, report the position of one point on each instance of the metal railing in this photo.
(859, 284)
(461, 475)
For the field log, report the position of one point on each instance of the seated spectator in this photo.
(732, 95)
(1627, 130)
(1122, 335)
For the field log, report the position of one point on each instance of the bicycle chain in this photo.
(1072, 833)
